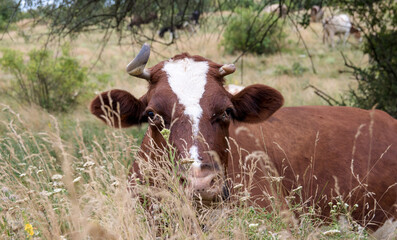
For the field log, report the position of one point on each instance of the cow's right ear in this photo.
(118, 108)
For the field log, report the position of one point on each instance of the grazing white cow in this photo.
(275, 8)
(339, 25)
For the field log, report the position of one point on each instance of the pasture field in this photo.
(64, 175)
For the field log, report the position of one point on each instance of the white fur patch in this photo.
(187, 80)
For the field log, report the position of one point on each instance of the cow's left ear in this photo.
(118, 108)
(256, 103)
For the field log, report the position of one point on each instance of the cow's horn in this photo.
(137, 66)
(227, 69)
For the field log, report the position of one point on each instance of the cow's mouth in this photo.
(211, 197)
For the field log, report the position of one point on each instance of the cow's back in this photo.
(340, 23)
(329, 151)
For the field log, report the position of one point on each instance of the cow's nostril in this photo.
(213, 181)
(183, 181)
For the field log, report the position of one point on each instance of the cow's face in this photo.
(186, 96)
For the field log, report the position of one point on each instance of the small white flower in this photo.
(63, 238)
(253, 225)
(346, 205)
(22, 175)
(115, 183)
(40, 171)
(89, 164)
(57, 184)
(57, 177)
(57, 190)
(5, 189)
(76, 179)
(22, 200)
(331, 232)
(45, 193)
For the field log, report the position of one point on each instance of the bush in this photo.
(52, 83)
(8, 13)
(248, 32)
(377, 81)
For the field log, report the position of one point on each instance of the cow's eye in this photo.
(150, 114)
(229, 111)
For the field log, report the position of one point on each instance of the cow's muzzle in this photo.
(209, 189)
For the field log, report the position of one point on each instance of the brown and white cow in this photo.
(316, 14)
(339, 25)
(324, 151)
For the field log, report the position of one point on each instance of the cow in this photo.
(275, 8)
(339, 25)
(316, 14)
(181, 23)
(137, 20)
(324, 152)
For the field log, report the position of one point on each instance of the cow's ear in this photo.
(118, 108)
(256, 103)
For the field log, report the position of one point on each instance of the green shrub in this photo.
(8, 13)
(248, 32)
(377, 83)
(52, 83)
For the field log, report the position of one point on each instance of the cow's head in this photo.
(356, 33)
(186, 96)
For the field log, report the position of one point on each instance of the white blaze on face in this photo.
(187, 80)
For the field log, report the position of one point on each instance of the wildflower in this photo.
(57, 177)
(29, 229)
(57, 184)
(22, 175)
(89, 164)
(57, 190)
(253, 225)
(5, 189)
(76, 179)
(45, 193)
(166, 134)
(331, 232)
(39, 171)
(22, 200)
(115, 183)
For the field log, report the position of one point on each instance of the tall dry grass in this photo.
(56, 188)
